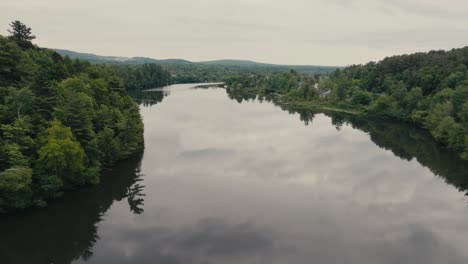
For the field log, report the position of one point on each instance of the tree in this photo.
(383, 106)
(463, 114)
(15, 188)
(21, 34)
(414, 98)
(77, 113)
(342, 84)
(399, 91)
(460, 96)
(361, 98)
(10, 59)
(11, 155)
(61, 161)
(306, 90)
(19, 132)
(19, 100)
(437, 114)
(109, 148)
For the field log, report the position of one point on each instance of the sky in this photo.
(317, 32)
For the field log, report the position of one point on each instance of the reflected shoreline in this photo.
(404, 140)
(67, 228)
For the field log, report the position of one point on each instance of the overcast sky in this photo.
(320, 32)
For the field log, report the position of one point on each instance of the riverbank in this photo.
(313, 105)
(288, 101)
(205, 151)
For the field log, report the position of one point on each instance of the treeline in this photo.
(428, 89)
(283, 83)
(183, 71)
(199, 72)
(404, 140)
(144, 76)
(61, 121)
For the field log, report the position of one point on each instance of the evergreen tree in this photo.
(21, 34)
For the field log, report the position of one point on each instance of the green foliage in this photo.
(11, 155)
(19, 101)
(463, 114)
(341, 91)
(76, 110)
(61, 160)
(436, 100)
(15, 188)
(19, 132)
(459, 97)
(289, 82)
(384, 106)
(145, 76)
(414, 99)
(362, 98)
(10, 59)
(21, 34)
(428, 89)
(109, 146)
(61, 120)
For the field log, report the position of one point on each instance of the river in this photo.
(227, 178)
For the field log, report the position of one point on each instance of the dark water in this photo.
(228, 182)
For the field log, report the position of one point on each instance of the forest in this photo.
(63, 120)
(429, 90)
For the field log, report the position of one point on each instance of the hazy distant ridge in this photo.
(93, 58)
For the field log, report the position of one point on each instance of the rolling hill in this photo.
(228, 64)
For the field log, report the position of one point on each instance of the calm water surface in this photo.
(228, 182)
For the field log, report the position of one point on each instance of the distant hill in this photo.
(91, 57)
(236, 64)
(240, 63)
(247, 63)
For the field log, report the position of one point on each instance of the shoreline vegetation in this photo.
(63, 120)
(310, 105)
(429, 90)
(405, 140)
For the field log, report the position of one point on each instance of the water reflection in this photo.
(403, 140)
(223, 182)
(208, 238)
(135, 195)
(67, 230)
(149, 97)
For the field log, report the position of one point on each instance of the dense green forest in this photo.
(142, 76)
(281, 82)
(62, 120)
(427, 89)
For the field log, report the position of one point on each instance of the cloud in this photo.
(210, 240)
(335, 32)
(207, 153)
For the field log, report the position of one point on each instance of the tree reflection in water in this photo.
(72, 231)
(135, 194)
(149, 98)
(403, 140)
